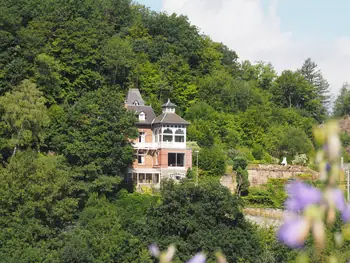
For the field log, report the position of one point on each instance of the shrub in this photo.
(213, 161)
(242, 182)
(239, 162)
(258, 152)
(300, 159)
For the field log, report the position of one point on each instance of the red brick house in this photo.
(160, 148)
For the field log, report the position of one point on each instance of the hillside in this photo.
(65, 67)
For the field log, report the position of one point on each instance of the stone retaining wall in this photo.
(259, 174)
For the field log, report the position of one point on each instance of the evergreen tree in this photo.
(312, 74)
(342, 103)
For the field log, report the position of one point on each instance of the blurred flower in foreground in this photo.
(294, 232)
(167, 256)
(310, 209)
(301, 195)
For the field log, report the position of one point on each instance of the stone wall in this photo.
(259, 174)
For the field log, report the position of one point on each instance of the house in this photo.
(160, 148)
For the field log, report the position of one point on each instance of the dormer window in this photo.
(142, 116)
(136, 103)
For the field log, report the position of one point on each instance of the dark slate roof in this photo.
(169, 104)
(170, 118)
(147, 110)
(134, 95)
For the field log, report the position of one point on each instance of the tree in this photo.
(100, 237)
(287, 140)
(224, 93)
(293, 90)
(239, 165)
(24, 117)
(213, 161)
(119, 59)
(342, 103)
(205, 218)
(96, 139)
(49, 79)
(314, 76)
(37, 203)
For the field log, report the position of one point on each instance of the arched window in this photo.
(136, 103)
(167, 135)
(179, 135)
(142, 116)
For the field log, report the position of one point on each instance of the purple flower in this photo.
(302, 195)
(345, 214)
(154, 250)
(294, 232)
(199, 258)
(337, 197)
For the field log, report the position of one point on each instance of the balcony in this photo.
(159, 145)
(172, 145)
(146, 145)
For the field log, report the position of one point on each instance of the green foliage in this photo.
(213, 161)
(258, 152)
(239, 162)
(64, 70)
(342, 103)
(271, 195)
(314, 76)
(345, 139)
(203, 218)
(23, 118)
(293, 90)
(274, 251)
(300, 159)
(95, 139)
(289, 141)
(37, 201)
(242, 181)
(100, 237)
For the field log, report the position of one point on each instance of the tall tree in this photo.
(95, 139)
(312, 74)
(342, 103)
(23, 117)
(293, 90)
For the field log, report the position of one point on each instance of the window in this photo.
(142, 116)
(136, 103)
(156, 178)
(141, 157)
(156, 135)
(142, 178)
(167, 135)
(142, 137)
(179, 135)
(176, 159)
(149, 178)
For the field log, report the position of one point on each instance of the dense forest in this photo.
(65, 67)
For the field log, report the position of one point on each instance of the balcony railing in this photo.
(159, 145)
(146, 145)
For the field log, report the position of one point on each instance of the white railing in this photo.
(159, 145)
(146, 145)
(172, 145)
